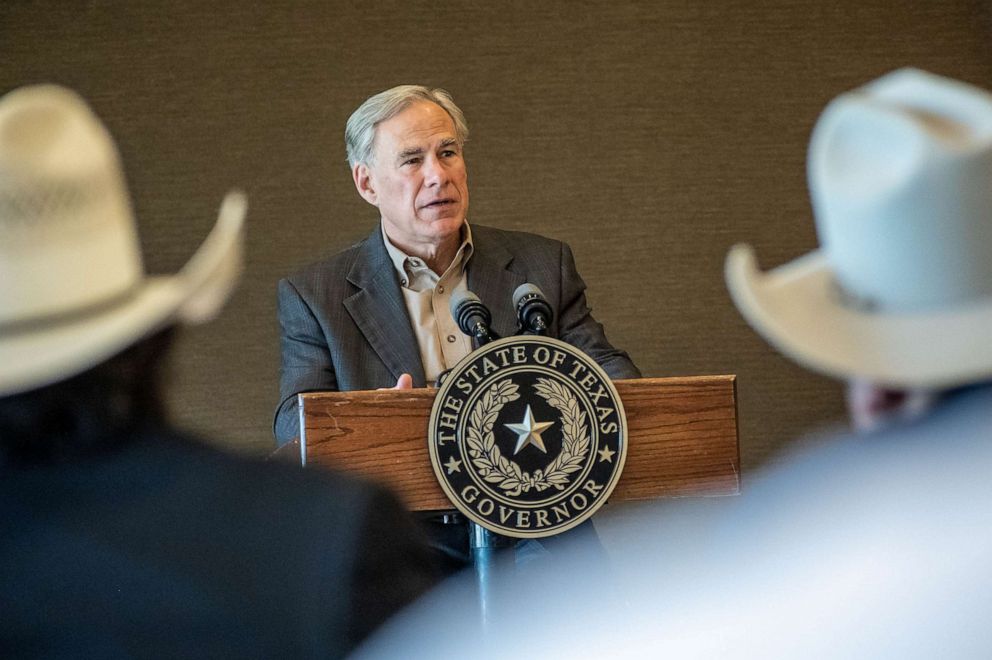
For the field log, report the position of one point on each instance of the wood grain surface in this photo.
(682, 435)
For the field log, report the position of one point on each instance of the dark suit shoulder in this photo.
(207, 468)
(334, 268)
(247, 558)
(515, 241)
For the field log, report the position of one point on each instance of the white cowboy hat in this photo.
(72, 288)
(900, 290)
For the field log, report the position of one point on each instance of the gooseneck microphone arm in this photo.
(534, 312)
(473, 317)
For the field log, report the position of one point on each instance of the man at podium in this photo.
(377, 314)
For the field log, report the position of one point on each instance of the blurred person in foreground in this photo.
(872, 544)
(120, 536)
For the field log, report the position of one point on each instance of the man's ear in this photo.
(363, 183)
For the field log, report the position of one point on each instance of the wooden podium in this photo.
(682, 435)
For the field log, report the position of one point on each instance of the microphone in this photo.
(533, 310)
(472, 317)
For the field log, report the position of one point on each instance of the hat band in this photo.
(48, 321)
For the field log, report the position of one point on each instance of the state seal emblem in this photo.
(527, 436)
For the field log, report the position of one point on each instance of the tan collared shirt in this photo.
(427, 297)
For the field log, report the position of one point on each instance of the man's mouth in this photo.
(439, 203)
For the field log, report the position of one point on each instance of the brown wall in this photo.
(650, 135)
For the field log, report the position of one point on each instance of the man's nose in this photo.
(435, 173)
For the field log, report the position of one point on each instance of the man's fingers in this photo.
(405, 382)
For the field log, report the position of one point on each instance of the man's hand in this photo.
(405, 382)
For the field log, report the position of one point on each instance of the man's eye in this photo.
(448, 153)
(411, 161)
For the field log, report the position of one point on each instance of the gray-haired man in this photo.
(377, 314)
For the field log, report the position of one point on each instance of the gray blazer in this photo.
(344, 325)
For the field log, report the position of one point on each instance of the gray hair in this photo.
(359, 132)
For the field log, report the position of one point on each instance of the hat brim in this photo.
(48, 352)
(797, 308)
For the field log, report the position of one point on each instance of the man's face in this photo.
(418, 179)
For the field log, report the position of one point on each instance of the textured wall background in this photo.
(650, 135)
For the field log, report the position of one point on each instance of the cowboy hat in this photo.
(900, 290)
(72, 286)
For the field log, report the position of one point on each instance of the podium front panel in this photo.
(682, 435)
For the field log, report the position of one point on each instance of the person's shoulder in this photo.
(513, 240)
(334, 268)
(946, 447)
(220, 474)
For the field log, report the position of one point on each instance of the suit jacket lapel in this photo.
(492, 278)
(379, 310)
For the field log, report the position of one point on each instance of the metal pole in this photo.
(488, 564)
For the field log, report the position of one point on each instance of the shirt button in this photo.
(415, 263)
(451, 339)
(402, 282)
(440, 289)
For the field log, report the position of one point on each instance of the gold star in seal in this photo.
(453, 465)
(606, 454)
(529, 432)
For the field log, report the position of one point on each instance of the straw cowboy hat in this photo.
(72, 287)
(900, 290)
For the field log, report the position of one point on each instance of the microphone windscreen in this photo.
(524, 290)
(460, 298)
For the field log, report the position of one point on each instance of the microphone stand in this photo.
(473, 319)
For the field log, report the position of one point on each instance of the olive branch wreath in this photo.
(496, 468)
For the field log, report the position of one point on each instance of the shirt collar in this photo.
(404, 263)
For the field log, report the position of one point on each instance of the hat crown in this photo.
(67, 236)
(72, 287)
(900, 175)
